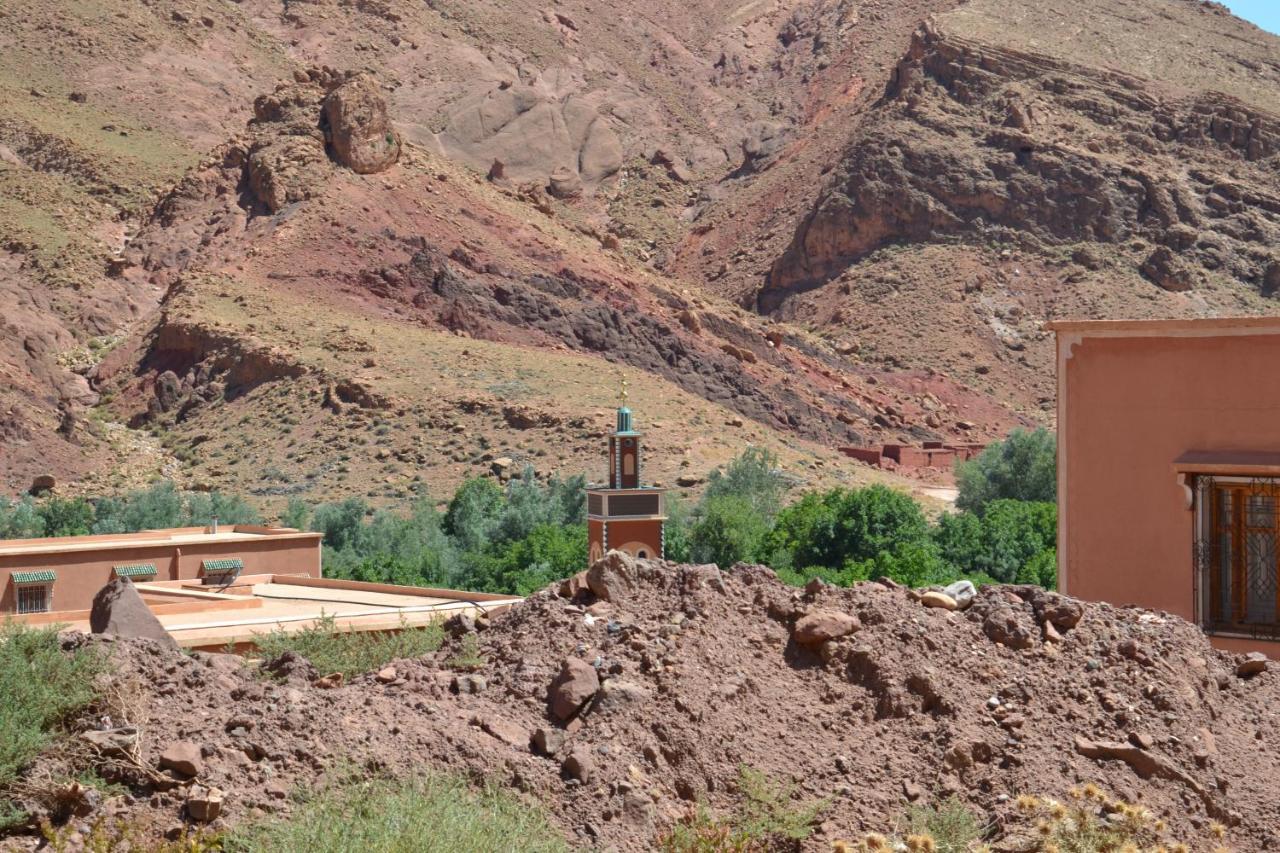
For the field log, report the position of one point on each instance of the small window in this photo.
(34, 598)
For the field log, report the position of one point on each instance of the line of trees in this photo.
(1005, 529)
(519, 537)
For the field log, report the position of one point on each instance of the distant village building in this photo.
(627, 515)
(1169, 470)
(214, 588)
(65, 572)
(930, 454)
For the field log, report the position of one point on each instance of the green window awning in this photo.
(42, 576)
(222, 567)
(138, 570)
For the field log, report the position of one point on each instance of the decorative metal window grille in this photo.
(1237, 554)
(34, 598)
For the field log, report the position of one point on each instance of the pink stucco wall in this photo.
(1130, 404)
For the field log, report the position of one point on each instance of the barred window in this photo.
(34, 599)
(1237, 554)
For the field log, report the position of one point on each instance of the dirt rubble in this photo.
(649, 688)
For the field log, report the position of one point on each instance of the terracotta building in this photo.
(1169, 470)
(64, 573)
(627, 515)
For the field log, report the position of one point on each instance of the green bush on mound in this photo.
(40, 686)
(351, 653)
(431, 812)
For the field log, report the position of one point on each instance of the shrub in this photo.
(351, 653)
(1022, 467)
(1008, 542)
(729, 529)
(766, 818)
(40, 687)
(474, 513)
(431, 812)
(753, 476)
(843, 527)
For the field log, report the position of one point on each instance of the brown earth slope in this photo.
(583, 188)
(683, 674)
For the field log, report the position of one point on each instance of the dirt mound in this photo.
(699, 673)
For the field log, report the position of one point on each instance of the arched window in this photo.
(629, 464)
(642, 554)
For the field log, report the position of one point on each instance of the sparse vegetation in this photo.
(1090, 822)
(767, 817)
(351, 653)
(432, 812)
(40, 687)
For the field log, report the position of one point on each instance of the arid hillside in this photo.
(336, 247)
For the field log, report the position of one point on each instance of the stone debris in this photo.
(621, 713)
(576, 684)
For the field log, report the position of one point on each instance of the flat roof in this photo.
(202, 616)
(150, 539)
(1194, 326)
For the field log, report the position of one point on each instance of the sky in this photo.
(1264, 13)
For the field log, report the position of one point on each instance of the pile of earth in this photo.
(624, 696)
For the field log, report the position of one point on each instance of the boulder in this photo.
(613, 576)
(360, 134)
(940, 600)
(1166, 271)
(118, 609)
(818, 626)
(573, 687)
(1003, 625)
(547, 741)
(1252, 664)
(1065, 613)
(616, 694)
(578, 765)
(204, 803)
(182, 757)
(564, 183)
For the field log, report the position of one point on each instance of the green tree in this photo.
(1002, 543)
(676, 529)
(341, 523)
(156, 507)
(202, 508)
(66, 517)
(297, 514)
(853, 526)
(754, 476)
(20, 519)
(1022, 467)
(729, 529)
(474, 513)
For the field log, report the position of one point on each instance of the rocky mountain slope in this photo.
(622, 699)
(430, 235)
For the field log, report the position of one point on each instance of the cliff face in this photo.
(975, 143)
(836, 221)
